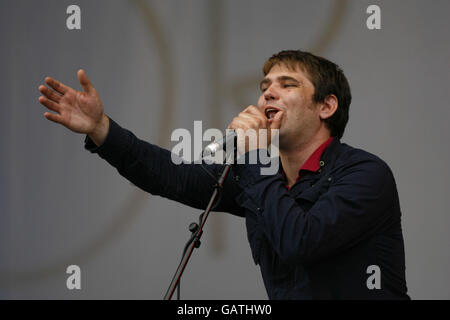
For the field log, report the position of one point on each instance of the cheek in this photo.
(260, 101)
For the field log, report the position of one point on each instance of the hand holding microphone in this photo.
(252, 123)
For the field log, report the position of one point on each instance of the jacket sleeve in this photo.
(151, 168)
(357, 203)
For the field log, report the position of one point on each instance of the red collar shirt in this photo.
(313, 163)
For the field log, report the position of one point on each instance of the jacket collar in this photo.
(331, 153)
(328, 156)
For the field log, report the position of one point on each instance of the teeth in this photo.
(270, 112)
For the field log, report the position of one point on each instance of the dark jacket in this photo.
(317, 240)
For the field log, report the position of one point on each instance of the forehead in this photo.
(280, 70)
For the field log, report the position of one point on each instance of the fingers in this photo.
(276, 122)
(255, 121)
(255, 111)
(53, 117)
(56, 85)
(50, 104)
(238, 123)
(84, 81)
(50, 94)
(251, 117)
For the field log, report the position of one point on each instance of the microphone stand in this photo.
(197, 231)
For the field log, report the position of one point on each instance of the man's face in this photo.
(292, 92)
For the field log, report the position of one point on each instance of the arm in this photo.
(147, 166)
(151, 168)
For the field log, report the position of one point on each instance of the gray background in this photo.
(160, 65)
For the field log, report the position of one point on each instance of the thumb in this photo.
(84, 81)
(276, 123)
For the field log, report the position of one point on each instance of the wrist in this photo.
(98, 135)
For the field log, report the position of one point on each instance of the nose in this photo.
(271, 93)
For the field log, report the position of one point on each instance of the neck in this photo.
(293, 159)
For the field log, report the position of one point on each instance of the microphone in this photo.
(222, 144)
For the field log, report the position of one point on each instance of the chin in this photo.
(282, 142)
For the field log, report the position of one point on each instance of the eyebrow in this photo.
(279, 79)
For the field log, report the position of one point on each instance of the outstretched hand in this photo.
(81, 112)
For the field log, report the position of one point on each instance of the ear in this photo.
(328, 107)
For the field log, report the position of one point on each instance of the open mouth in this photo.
(270, 112)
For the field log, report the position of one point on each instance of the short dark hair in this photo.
(327, 78)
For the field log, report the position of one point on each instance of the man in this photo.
(327, 225)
